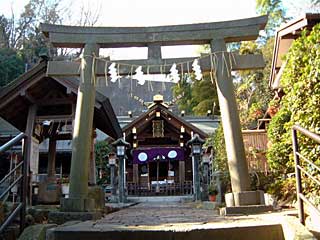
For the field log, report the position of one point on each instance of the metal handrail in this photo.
(10, 173)
(11, 217)
(22, 179)
(301, 198)
(307, 133)
(12, 142)
(308, 161)
(11, 186)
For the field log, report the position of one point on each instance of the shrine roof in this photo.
(175, 120)
(284, 38)
(34, 87)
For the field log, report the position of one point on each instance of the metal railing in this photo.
(299, 159)
(170, 189)
(16, 178)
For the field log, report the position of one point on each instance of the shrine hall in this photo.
(160, 161)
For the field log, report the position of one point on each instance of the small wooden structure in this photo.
(284, 38)
(255, 144)
(44, 107)
(160, 161)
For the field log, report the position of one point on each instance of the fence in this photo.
(300, 161)
(16, 178)
(168, 189)
(255, 144)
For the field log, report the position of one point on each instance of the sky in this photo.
(153, 13)
(150, 13)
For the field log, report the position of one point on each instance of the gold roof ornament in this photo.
(158, 98)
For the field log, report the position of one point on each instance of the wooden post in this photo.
(26, 158)
(158, 188)
(135, 173)
(29, 132)
(52, 160)
(230, 119)
(182, 173)
(81, 141)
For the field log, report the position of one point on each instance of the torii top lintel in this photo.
(189, 34)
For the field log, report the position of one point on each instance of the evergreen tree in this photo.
(11, 65)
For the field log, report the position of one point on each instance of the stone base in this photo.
(63, 217)
(210, 205)
(97, 193)
(77, 205)
(49, 192)
(36, 232)
(40, 213)
(113, 199)
(245, 198)
(245, 210)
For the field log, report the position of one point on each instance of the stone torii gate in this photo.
(216, 34)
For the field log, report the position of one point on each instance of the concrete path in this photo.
(155, 214)
(179, 221)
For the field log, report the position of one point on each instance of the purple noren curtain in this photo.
(145, 155)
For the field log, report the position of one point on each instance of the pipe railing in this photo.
(12, 142)
(19, 181)
(298, 158)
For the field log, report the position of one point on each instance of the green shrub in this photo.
(279, 152)
(212, 189)
(284, 189)
(300, 105)
(220, 161)
(102, 149)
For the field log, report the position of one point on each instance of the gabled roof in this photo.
(206, 124)
(150, 114)
(284, 37)
(14, 102)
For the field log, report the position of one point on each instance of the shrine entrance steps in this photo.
(160, 199)
(177, 221)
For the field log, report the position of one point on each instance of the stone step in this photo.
(245, 210)
(84, 232)
(159, 199)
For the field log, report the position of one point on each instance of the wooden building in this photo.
(160, 161)
(256, 141)
(284, 38)
(44, 108)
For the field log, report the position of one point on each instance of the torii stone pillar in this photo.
(230, 119)
(78, 200)
(238, 168)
